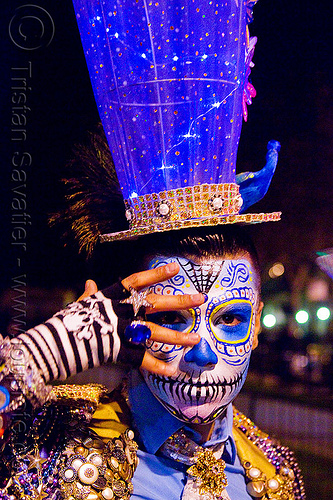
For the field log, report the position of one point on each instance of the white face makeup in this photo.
(210, 374)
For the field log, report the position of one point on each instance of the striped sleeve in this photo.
(83, 335)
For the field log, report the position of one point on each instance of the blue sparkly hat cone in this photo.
(170, 80)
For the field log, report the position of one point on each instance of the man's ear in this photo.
(257, 325)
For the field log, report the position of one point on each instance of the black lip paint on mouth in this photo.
(179, 390)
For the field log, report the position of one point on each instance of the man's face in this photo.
(209, 375)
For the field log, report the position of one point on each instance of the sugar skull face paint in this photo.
(210, 374)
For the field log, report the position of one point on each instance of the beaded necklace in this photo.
(32, 462)
(61, 458)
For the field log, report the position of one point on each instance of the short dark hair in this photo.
(128, 257)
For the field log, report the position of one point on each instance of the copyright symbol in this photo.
(31, 27)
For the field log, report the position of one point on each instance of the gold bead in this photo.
(80, 450)
(273, 484)
(256, 488)
(254, 473)
(107, 493)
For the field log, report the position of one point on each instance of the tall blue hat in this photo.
(170, 80)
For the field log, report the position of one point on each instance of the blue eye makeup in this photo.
(175, 320)
(230, 322)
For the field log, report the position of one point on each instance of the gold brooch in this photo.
(209, 472)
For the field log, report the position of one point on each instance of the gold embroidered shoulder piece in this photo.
(271, 469)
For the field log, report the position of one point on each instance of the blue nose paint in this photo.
(201, 354)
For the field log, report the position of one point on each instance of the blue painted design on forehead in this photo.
(204, 276)
(236, 272)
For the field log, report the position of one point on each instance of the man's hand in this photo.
(145, 279)
(164, 303)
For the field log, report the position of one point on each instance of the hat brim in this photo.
(189, 223)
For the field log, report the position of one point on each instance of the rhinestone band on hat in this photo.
(195, 206)
(183, 203)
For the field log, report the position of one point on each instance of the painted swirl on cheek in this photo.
(177, 281)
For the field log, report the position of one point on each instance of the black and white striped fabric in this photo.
(82, 336)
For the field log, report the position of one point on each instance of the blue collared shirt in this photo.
(160, 478)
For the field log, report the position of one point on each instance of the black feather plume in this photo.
(93, 197)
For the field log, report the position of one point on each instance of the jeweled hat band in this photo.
(215, 220)
(203, 205)
(184, 203)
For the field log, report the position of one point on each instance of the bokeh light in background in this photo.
(276, 270)
(323, 313)
(269, 320)
(317, 290)
(302, 316)
(273, 317)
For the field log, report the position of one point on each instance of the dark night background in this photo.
(293, 76)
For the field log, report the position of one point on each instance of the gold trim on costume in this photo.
(270, 469)
(75, 395)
